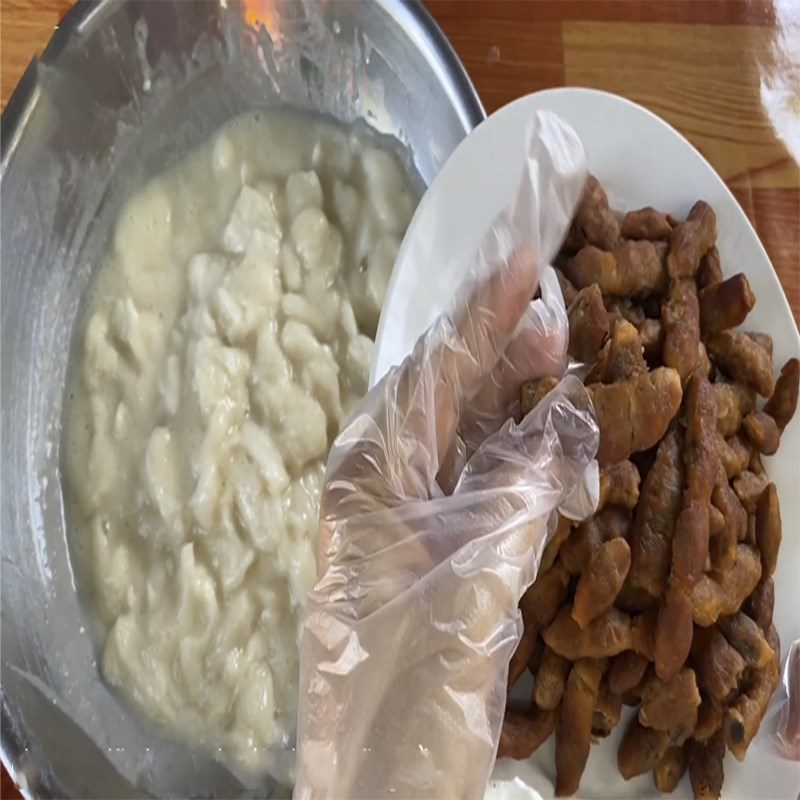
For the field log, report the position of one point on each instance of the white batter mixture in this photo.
(226, 339)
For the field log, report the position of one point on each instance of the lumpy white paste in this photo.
(226, 338)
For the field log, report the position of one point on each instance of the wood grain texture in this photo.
(508, 58)
(528, 12)
(7, 787)
(726, 73)
(702, 79)
(25, 28)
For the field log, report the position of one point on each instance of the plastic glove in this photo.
(410, 628)
(780, 730)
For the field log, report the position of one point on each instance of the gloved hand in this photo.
(410, 628)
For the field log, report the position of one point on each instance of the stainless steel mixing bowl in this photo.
(122, 90)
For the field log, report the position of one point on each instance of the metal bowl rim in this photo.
(471, 109)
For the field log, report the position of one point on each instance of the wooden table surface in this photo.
(726, 73)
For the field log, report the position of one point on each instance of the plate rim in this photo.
(743, 221)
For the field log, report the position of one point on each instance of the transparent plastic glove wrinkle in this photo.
(780, 729)
(410, 628)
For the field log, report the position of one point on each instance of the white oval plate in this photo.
(640, 160)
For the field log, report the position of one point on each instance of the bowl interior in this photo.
(123, 90)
